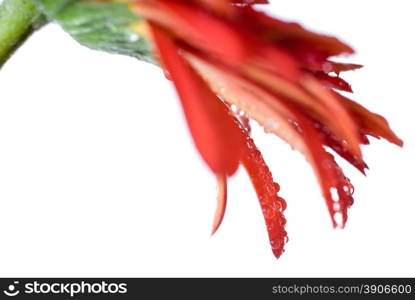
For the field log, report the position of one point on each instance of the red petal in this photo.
(196, 27)
(266, 189)
(336, 188)
(371, 123)
(221, 202)
(328, 66)
(341, 67)
(334, 82)
(218, 37)
(335, 143)
(348, 129)
(279, 31)
(216, 136)
(339, 194)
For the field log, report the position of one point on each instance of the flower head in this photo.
(231, 64)
(220, 53)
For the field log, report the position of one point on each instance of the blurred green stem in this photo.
(18, 19)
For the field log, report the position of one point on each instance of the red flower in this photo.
(220, 54)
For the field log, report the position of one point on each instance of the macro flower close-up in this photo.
(221, 55)
(236, 67)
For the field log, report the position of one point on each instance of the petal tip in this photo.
(221, 202)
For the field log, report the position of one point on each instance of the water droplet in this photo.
(275, 244)
(277, 187)
(271, 125)
(167, 74)
(327, 164)
(296, 144)
(293, 122)
(338, 218)
(351, 189)
(334, 194)
(133, 37)
(271, 189)
(277, 206)
(283, 204)
(286, 239)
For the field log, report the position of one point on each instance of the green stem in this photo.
(18, 19)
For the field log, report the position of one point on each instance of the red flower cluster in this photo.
(222, 53)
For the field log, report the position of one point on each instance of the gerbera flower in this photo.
(231, 64)
(220, 54)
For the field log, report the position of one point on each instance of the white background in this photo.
(99, 176)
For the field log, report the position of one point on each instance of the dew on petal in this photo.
(327, 164)
(167, 74)
(277, 187)
(334, 194)
(271, 125)
(283, 203)
(351, 186)
(346, 188)
(338, 218)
